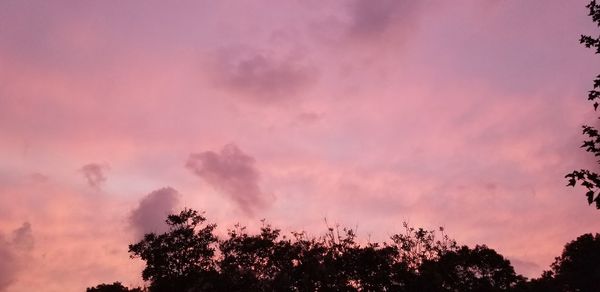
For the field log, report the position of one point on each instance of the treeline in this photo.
(190, 257)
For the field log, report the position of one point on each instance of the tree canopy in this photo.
(578, 267)
(190, 257)
(181, 258)
(114, 287)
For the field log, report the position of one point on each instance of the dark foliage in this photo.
(578, 268)
(545, 283)
(585, 177)
(463, 270)
(189, 257)
(114, 287)
(182, 258)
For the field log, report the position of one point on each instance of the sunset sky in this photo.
(462, 114)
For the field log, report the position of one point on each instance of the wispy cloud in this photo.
(262, 76)
(374, 18)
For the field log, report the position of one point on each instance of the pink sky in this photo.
(368, 113)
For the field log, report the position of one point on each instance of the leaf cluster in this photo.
(585, 177)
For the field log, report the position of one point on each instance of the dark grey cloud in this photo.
(151, 213)
(232, 172)
(261, 76)
(94, 174)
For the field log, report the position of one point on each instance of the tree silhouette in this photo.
(466, 269)
(588, 178)
(545, 283)
(255, 262)
(114, 287)
(418, 245)
(189, 257)
(578, 268)
(182, 258)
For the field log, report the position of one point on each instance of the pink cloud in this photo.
(94, 174)
(8, 266)
(371, 19)
(14, 252)
(464, 115)
(52, 251)
(262, 76)
(232, 172)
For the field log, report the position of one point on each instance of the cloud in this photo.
(151, 213)
(38, 177)
(374, 18)
(13, 253)
(308, 117)
(94, 174)
(73, 240)
(232, 172)
(527, 268)
(262, 76)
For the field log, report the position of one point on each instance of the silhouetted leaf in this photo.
(590, 196)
